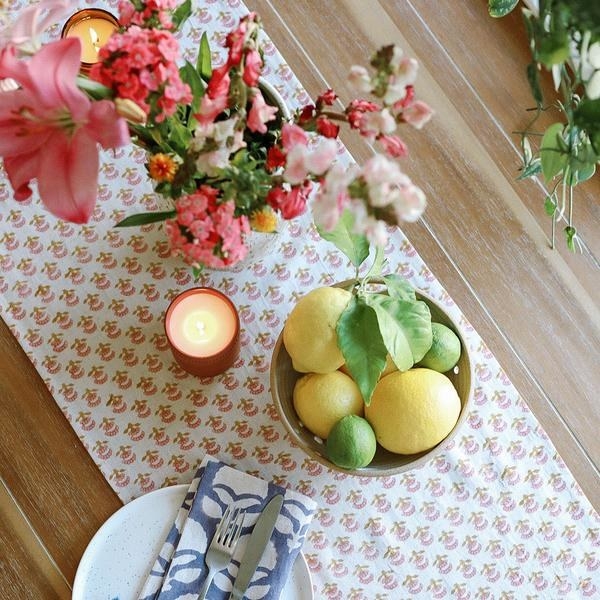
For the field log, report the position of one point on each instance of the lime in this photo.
(351, 443)
(322, 399)
(445, 349)
(413, 411)
(309, 334)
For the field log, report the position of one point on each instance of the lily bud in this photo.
(129, 110)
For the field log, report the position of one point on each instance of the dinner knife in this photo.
(261, 534)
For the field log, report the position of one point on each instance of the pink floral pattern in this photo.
(497, 515)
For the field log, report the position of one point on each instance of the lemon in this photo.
(309, 334)
(414, 410)
(322, 399)
(351, 443)
(445, 349)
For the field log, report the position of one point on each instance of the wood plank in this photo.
(53, 480)
(26, 568)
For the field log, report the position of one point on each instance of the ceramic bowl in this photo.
(283, 379)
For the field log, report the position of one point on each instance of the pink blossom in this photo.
(332, 196)
(292, 135)
(417, 114)
(359, 79)
(260, 114)
(302, 161)
(289, 203)
(410, 203)
(405, 74)
(252, 68)
(49, 130)
(393, 146)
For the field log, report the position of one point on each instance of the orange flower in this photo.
(161, 167)
(263, 220)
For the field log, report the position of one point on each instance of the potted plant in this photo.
(564, 38)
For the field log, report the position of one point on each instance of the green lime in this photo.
(351, 443)
(445, 349)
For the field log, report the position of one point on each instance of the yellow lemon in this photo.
(413, 411)
(309, 334)
(322, 399)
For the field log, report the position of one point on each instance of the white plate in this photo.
(117, 559)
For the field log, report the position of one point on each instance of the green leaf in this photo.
(402, 324)
(146, 218)
(570, 234)
(500, 8)
(362, 346)
(182, 13)
(354, 246)
(533, 77)
(531, 169)
(203, 65)
(549, 206)
(399, 288)
(553, 159)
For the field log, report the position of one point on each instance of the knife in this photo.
(261, 534)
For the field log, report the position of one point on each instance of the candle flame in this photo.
(95, 39)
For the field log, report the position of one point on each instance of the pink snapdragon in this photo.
(50, 130)
(139, 65)
(260, 113)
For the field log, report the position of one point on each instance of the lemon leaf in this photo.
(361, 344)
(403, 324)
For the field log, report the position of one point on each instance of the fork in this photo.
(222, 545)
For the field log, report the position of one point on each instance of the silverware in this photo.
(256, 546)
(222, 545)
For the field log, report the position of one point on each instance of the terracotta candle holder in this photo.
(203, 330)
(93, 26)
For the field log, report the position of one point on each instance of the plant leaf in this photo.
(354, 246)
(549, 206)
(184, 10)
(533, 77)
(570, 233)
(362, 346)
(146, 218)
(203, 65)
(531, 169)
(403, 323)
(500, 8)
(398, 287)
(553, 159)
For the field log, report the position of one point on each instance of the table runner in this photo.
(497, 515)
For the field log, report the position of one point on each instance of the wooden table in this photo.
(484, 236)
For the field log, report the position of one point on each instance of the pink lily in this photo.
(50, 130)
(33, 21)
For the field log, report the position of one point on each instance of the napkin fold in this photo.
(179, 569)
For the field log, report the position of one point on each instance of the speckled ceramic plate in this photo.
(117, 559)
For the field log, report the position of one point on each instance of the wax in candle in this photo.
(201, 324)
(93, 33)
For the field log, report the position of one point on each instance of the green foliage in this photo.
(146, 218)
(500, 8)
(383, 317)
(354, 246)
(570, 148)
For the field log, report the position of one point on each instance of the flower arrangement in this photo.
(564, 37)
(218, 145)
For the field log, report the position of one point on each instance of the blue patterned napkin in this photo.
(179, 570)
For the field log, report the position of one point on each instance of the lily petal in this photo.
(68, 176)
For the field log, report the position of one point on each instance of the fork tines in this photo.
(230, 527)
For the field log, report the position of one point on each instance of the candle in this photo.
(203, 330)
(93, 26)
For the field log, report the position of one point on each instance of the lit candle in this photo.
(93, 26)
(203, 329)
